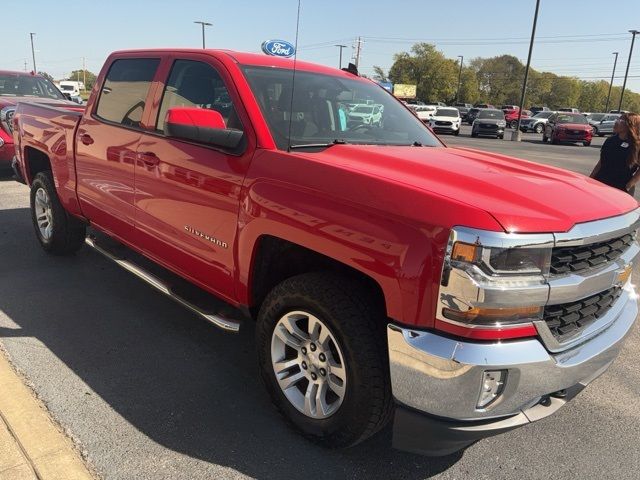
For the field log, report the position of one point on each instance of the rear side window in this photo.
(197, 84)
(125, 90)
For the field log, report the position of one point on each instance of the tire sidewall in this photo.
(354, 412)
(43, 180)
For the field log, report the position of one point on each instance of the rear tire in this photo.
(58, 232)
(354, 332)
(545, 139)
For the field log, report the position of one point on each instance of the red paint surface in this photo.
(384, 211)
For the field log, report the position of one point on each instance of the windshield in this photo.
(543, 115)
(446, 112)
(321, 110)
(571, 118)
(596, 117)
(16, 85)
(497, 114)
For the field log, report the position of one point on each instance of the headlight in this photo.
(503, 261)
(502, 123)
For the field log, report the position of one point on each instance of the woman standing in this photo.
(620, 155)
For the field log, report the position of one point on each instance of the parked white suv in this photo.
(446, 120)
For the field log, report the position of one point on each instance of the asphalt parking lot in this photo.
(150, 391)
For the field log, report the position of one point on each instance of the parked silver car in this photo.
(535, 123)
(594, 120)
(605, 127)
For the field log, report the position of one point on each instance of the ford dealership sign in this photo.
(278, 48)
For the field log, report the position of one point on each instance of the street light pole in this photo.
(624, 84)
(459, 77)
(33, 53)
(340, 47)
(516, 136)
(606, 109)
(203, 25)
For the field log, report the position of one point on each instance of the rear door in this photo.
(107, 140)
(187, 194)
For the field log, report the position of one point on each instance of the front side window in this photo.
(125, 90)
(197, 84)
(330, 108)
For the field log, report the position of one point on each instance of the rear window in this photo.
(125, 89)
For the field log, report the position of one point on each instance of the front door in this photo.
(187, 194)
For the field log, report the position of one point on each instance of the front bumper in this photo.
(436, 380)
(445, 128)
(490, 131)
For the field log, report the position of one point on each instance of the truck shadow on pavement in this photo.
(179, 381)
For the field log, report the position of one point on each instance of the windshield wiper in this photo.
(337, 141)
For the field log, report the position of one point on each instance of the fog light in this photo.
(492, 386)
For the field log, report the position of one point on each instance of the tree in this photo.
(434, 74)
(80, 75)
(500, 79)
(379, 75)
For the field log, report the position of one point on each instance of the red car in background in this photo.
(565, 127)
(511, 115)
(23, 87)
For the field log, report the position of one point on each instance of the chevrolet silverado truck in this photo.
(448, 293)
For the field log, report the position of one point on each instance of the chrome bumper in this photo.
(442, 376)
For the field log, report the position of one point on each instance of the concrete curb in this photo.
(31, 446)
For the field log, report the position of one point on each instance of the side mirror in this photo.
(201, 125)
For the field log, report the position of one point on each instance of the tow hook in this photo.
(560, 393)
(545, 401)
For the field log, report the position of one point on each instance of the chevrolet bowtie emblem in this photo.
(624, 275)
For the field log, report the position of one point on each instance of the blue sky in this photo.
(575, 37)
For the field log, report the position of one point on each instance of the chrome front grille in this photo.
(566, 320)
(577, 259)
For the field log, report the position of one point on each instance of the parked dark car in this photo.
(464, 112)
(471, 115)
(489, 122)
(567, 127)
(484, 105)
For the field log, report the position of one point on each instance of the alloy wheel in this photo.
(308, 364)
(44, 213)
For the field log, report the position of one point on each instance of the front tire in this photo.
(539, 128)
(322, 356)
(58, 232)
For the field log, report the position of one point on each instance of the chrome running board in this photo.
(155, 281)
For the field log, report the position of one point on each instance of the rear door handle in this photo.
(86, 139)
(149, 158)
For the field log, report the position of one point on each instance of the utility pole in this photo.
(84, 73)
(358, 51)
(207, 24)
(517, 135)
(340, 47)
(606, 109)
(33, 53)
(624, 84)
(25, 64)
(459, 77)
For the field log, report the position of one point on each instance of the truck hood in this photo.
(522, 196)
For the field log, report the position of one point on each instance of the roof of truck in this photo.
(253, 59)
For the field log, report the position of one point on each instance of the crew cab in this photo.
(390, 278)
(21, 87)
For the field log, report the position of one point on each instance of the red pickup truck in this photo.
(456, 293)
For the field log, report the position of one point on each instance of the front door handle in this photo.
(86, 139)
(149, 158)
